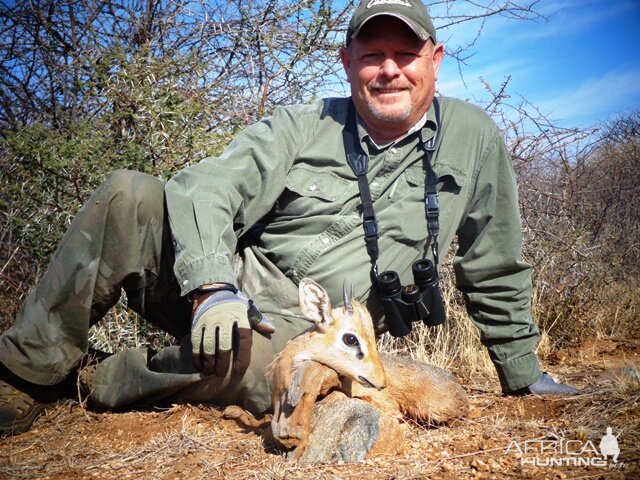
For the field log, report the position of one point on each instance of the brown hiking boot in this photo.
(17, 410)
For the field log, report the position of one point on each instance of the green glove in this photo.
(220, 329)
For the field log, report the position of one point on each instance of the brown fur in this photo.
(417, 390)
(317, 362)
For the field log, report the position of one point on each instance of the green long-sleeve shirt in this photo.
(291, 166)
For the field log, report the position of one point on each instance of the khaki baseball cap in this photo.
(413, 13)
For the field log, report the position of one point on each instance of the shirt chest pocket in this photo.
(410, 197)
(311, 191)
(450, 178)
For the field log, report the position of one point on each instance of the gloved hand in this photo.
(221, 327)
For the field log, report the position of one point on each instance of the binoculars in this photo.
(412, 303)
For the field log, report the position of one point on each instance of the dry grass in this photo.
(122, 327)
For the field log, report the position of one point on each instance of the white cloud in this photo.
(612, 93)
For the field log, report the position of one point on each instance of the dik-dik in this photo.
(340, 354)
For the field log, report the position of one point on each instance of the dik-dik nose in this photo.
(376, 378)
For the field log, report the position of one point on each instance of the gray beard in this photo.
(398, 117)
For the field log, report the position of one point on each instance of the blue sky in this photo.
(580, 65)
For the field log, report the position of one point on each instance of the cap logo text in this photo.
(373, 3)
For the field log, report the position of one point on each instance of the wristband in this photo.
(211, 287)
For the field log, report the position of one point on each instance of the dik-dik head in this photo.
(343, 339)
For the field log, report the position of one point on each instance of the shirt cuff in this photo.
(213, 268)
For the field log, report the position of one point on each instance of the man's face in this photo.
(392, 75)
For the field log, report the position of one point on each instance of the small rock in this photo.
(346, 430)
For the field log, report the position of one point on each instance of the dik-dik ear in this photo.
(314, 302)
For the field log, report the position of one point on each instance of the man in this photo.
(279, 204)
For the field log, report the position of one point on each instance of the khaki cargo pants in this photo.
(120, 240)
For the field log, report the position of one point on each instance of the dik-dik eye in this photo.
(350, 340)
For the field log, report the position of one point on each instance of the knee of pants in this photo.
(135, 191)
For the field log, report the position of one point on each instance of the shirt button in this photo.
(184, 282)
(313, 187)
(374, 184)
(325, 240)
(393, 150)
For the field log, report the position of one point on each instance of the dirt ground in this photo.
(526, 437)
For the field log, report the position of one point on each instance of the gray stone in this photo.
(343, 430)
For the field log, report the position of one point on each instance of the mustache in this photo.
(376, 85)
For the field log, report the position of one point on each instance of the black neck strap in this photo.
(431, 202)
(358, 160)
